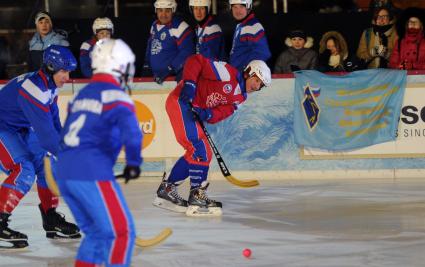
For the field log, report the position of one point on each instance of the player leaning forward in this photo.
(211, 90)
(101, 119)
(29, 128)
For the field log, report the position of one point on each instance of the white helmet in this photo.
(113, 56)
(206, 3)
(261, 70)
(247, 3)
(103, 24)
(166, 4)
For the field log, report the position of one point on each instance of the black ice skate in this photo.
(16, 239)
(57, 227)
(201, 205)
(168, 198)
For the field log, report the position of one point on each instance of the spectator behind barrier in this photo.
(249, 39)
(333, 53)
(298, 55)
(102, 28)
(377, 42)
(209, 39)
(43, 38)
(409, 50)
(169, 45)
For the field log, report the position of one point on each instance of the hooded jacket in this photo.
(325, 64)
(303, 59)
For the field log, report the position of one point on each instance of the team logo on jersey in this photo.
(156, 47)
(227, 88)
(163, 36)
(215, 99)
(310, 106)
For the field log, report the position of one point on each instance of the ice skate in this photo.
(57, 227)
(168, 198)
(200, 205)
(10, 239)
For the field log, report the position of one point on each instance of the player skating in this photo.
(210, 91)
(100, 120)
(30, 127)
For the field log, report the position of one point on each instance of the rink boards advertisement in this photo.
(259, 137)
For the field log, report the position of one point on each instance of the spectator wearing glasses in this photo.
(377, 42)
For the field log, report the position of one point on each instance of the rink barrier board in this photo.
(262, 163)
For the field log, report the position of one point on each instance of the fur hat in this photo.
(42, 15)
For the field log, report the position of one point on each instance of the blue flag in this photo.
(359, 109)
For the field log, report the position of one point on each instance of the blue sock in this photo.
(179, 172)
(197, 174)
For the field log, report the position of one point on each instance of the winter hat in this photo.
(298, 33)
(42, 15)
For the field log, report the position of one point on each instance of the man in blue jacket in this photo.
(170, 43)
(249, 39)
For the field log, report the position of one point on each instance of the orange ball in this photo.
(247, 252)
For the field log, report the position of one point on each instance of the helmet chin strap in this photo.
(124, 77)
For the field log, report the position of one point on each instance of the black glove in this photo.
(131, 172)
(146, 71)
(161, 78)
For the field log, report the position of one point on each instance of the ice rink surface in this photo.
(285, 223)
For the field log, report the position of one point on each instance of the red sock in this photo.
(9, 199)
(47, 199)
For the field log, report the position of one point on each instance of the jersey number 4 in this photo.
(71, 138)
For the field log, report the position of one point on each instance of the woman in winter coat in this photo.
(333, 53)
(298, 56)
(377, 42)
(409, 50)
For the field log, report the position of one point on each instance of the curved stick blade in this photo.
(242, 183)
(144, 243)
(51, 183)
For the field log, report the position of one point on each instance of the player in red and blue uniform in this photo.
(29, 128)
(212, 90)
(249, 39)
(102, 28)
(209, 36)
(169, 44)
(100, 121)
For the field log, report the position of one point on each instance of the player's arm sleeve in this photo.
(131, 137)
(85, 60)
(38, 113)
(122, 115)
(255, 37)
(147, 61)
(54, 109)
(185, 45)
(198, 65)
(222, 112)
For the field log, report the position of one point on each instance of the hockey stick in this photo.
(224, 170)
(144, 243)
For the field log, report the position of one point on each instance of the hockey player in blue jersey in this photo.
(102, 28)
(100, 120)
(249, 39)
(170, 43)
(209, 40)
(30, 127)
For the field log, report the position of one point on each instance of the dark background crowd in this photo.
(132, 20)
